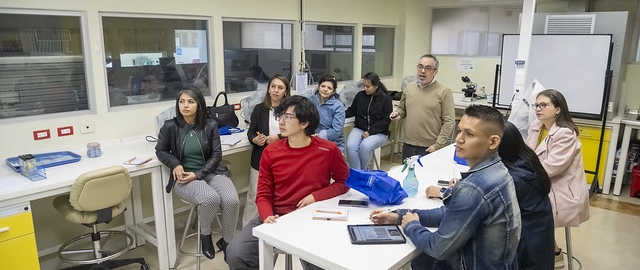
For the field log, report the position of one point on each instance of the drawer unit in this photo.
(590, 139)
(18, 248)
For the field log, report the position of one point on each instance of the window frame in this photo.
(87, 61)
(354, 50)
(252, 20)
(395, 44)
(210, 64)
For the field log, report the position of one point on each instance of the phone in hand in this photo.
(444, 183)
(353, 203)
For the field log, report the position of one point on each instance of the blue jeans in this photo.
(360, 151)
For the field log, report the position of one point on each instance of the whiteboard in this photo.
(575, 65)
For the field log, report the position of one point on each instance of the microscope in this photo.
(469, 92)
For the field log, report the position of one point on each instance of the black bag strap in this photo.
(226, 101)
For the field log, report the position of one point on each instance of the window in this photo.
(42, 68)
(329, 51)
(472, 31)
(254, 52)
(377, 50)
(151, 60)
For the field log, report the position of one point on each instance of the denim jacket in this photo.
(332, 116)
(479, 224)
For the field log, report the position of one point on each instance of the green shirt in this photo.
(192, 151)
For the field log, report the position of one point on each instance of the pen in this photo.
(329, 212)
(258, 133)
(129, 161)
(149, 159)
(384, 212)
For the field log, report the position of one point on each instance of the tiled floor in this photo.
(609, 240)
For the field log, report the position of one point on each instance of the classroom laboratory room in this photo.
(86, 87)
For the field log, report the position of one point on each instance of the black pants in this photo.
(409, 150)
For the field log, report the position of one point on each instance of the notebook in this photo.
(338, 213)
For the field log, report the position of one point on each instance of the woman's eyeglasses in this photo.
(285, 117)
(540, 105)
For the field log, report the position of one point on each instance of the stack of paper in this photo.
(340, 214)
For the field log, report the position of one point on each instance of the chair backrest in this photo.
(100, 189)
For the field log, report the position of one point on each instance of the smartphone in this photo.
(353, 203)
(444, 183)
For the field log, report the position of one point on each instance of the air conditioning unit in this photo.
(570, 24)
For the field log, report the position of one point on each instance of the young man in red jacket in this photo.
(294, 172)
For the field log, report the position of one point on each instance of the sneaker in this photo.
(559, 260)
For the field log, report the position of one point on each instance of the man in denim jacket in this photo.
(479, 224)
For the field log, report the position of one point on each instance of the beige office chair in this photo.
(97, 197)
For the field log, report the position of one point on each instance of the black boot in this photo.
(207, 246)
(222, 245)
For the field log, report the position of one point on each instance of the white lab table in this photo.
(16, 189)
(327, 244)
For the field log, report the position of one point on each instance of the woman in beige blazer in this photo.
(554, 137)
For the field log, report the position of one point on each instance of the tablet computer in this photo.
(366, 234)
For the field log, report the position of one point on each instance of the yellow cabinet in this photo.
(590, 139)
(18, 248)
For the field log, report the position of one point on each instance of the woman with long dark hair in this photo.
(535, 250)
(371, 108)
(263, 130)
(189, 145)
(554, 136)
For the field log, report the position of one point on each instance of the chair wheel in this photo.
(144, 267)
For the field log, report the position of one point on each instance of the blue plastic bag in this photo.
(226, 130)
(377, 185)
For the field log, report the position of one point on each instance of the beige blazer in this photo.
(561, 156)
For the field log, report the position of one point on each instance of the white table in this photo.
(16, 189)
(630, 123)
(327, 244)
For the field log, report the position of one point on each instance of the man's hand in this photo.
(272, 138)
(270, 219)
(432, 192)
(431, 149)
(394, 116)
(381, 216)
(408, 217)
(365, 134)
(306, 201)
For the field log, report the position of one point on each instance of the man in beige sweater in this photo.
(428, 108)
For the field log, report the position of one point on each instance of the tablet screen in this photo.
(376, 234)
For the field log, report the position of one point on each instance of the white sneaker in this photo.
(559, 261)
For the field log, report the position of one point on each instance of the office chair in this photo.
(97, 197)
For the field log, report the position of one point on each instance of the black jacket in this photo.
(259, 123)
(371, 112)
(535, 250)
(169, 148)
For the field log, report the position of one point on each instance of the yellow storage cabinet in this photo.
(18, 248)
(590, 139)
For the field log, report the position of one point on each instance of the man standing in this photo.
(479, 224)
(294, 172)
(428, 108)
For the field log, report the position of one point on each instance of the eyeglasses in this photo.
(540, 105)
(426, 68)
(286, 117)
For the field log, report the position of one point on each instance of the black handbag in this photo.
(224, 115)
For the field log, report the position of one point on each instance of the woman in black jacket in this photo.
(263, 130)
(371, 108)
(189, 145)
(536, 248)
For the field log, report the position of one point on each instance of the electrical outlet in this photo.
(41, 134)
(65, 131)
(85, 129)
